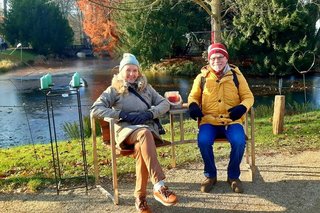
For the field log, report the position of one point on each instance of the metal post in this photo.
(51, 143)
(56, 141)
(305, 90)
(84, 154)
(53, 138)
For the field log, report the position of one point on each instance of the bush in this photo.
(72, 130)
(179, 66)
(6, 65)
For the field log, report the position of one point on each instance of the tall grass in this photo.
(263, 111)
(72, 129)
(10, 59)
(6, 65)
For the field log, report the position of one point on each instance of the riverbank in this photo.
(56, 67)
(284, 182)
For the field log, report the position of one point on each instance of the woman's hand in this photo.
(136, 118)
(142, 117)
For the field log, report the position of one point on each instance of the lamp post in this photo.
(19, 45)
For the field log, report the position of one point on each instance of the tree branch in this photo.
(204, 6)
(124, 8)
(226, 11)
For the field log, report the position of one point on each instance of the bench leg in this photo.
(115, 177)
(173, 152)
(94, 150)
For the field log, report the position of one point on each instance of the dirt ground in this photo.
(283, 183)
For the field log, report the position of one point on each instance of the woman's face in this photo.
(217, 61)
(130, 73)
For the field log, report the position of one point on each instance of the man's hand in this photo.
(237, 112)
(195, 111)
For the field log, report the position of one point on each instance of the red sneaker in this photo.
(165, 196)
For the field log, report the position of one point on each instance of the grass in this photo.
(10, 59)
(28, 168)
(301, 132)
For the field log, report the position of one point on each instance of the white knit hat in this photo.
(128, 58)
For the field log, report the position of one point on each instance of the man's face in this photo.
(217, 61)
(130, 73)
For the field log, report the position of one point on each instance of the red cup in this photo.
(174, 98)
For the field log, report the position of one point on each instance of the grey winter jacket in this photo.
(117, 98)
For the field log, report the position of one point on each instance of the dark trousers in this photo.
(236, 137)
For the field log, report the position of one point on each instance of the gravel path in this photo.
(283, 183)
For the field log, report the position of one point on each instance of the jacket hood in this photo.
(121, 85)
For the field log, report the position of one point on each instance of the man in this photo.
(219, 98)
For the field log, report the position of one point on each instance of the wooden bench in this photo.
(109, 140)
(250, 143)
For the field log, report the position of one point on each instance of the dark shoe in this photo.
(207, 184)
(236, 185)
(165, 196)
(141, 205)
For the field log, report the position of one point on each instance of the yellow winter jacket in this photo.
(220, 95)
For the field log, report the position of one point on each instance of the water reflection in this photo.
(315, 94)
(171, 83)
(23, 116)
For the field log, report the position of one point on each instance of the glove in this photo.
(236, 112)
(142, 118)
(195, 111)
(128, 117)
(136, 118)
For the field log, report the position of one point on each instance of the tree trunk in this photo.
(5, 8)
(215, 21)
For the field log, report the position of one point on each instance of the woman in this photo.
(136, 127)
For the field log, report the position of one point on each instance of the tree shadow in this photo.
(276, 188)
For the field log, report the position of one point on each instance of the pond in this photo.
(23, 116)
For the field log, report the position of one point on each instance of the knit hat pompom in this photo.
(217, 48)
(128, 58)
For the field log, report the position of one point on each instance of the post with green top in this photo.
(75, 80)
(44, 82)
(49, 79)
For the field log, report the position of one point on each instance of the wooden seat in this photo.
(108, 137)
(109, 140)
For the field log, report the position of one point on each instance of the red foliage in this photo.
(98, 26)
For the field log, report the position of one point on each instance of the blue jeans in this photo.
(236, 137)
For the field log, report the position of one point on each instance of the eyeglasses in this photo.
(217, 58)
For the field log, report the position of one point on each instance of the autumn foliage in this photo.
(98, 26)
